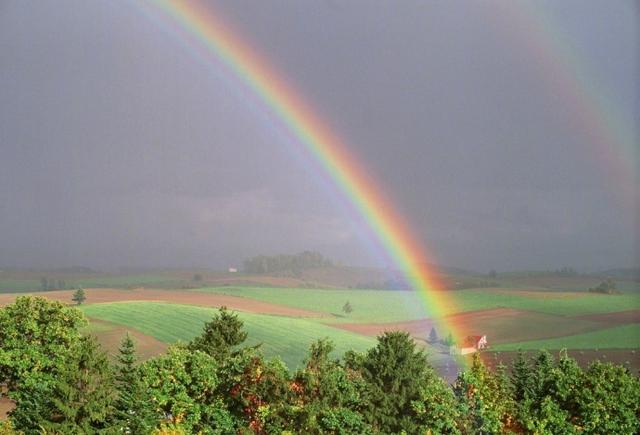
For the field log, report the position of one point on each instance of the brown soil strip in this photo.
(173, 296)
(110, 336)
(501, 325)
(618, 318)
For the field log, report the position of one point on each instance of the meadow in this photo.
(522, 313)
(286, 337)
(619, 337)
(393, 306)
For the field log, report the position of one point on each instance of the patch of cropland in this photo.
(619, 337)
(110, 336)
(286, 337)
(503, 325)
(367, 305)
(391, 306)
(559, 303)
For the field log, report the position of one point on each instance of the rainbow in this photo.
(608, 133)
(206, 29)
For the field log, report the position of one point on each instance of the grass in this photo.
(286, 337)
(620, 337)
(368, 305)
(16, 285)
(8, 285)
(390, 306)
(559, 303)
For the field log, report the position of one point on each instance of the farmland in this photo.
(521, 313)
(286, 337)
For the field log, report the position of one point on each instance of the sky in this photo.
(120, 148)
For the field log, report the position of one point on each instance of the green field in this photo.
(390, 306)
(286, 337)
(620, 337)
(13, 285)
(368, 305)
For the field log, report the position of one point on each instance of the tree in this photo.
(433, 335)
(36, 336)
(347, 308)
(395, 373)
(449, 341)
(135, 411)
(484, 399)
(521, 378)
(44, 284)
(78, 399)
(79, 296)
(197, 277)
(183, 388)
(220, 335)
(330, 398)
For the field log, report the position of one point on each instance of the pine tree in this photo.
(220, 335)
(79, 399)
(79, 296)
(135, 413)
(433, 335)
(521, 378)
(347, 308)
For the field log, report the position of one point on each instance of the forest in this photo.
(61, 382)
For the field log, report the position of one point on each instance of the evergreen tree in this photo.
(135, 412)
(347, 308)
(433, 335)
(79, 400)
(521, 378)
(395, 373)
(220, 335)
(79, 296)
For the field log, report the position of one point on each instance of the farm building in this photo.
(233, 270)
(472, 343)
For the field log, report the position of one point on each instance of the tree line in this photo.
(285, 264)
(63, 383)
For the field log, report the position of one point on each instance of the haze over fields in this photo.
(119, 148)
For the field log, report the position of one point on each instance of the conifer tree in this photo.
(433, 335)
(521, 378)
(80, 399)
(135, 413)
(79, 296)
(220, 335)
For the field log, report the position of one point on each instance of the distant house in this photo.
(472, 343)
(233, 270)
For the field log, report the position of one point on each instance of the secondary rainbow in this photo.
(204, 27)
(606, 130)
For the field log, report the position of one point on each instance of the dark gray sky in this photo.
(119, 148)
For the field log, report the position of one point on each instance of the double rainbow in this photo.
(214, 36)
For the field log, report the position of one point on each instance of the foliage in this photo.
(607, 287)
(79, 399)
(135, 411)
(79, 296)
(396, 374)
(220, 335)
(36, 336)
(433, 335)
(182, 385)
(211, 386)
(347, 308)
(484, 399)
(328, 397)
